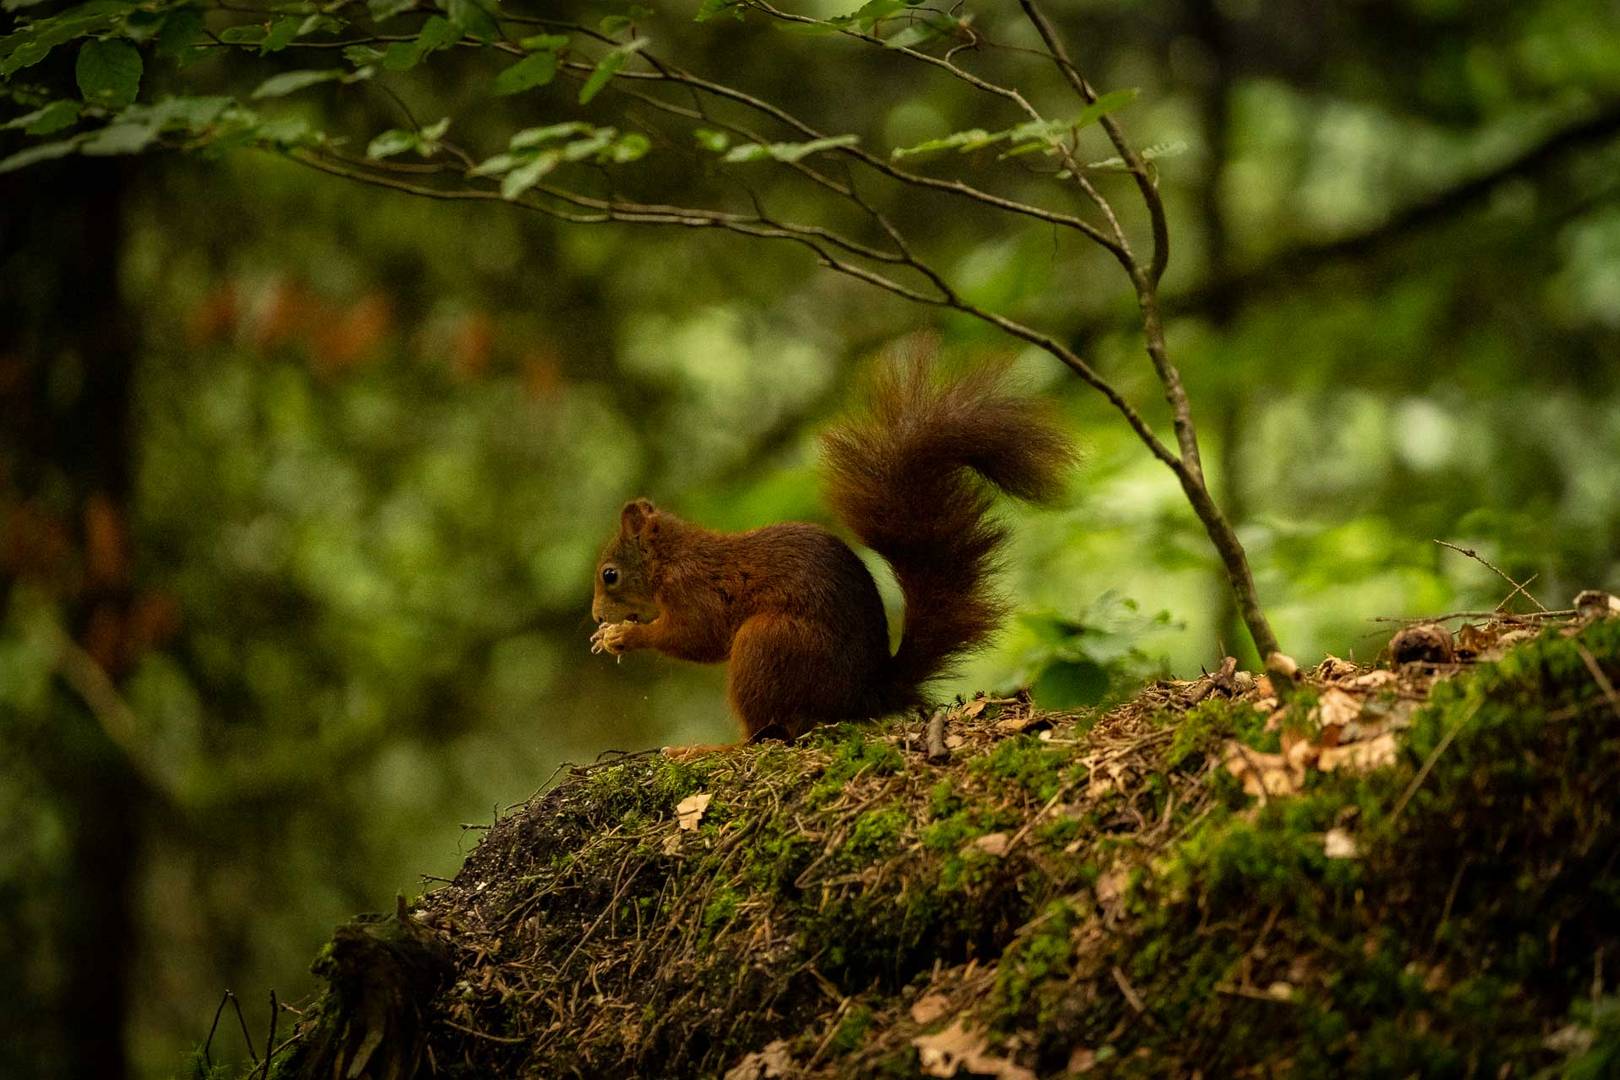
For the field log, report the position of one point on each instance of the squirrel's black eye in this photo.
(610, 575)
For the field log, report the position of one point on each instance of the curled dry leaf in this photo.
(1339, 844)
(1333, 669)
(973, 708)
(689, 811)
(774, 1060)
(1596, 604)
(959, 1047)
(992, 843)
(1361, 756)
(929, 1007)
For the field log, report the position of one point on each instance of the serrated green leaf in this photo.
(918, 33)
(1172, 148)
(40, 152)
(609, 66)
(544, 43)
(581, 149)
(288, 82)
(287, 131)
(788, 152)
(477, 17)
(1107, 103)
(382, 10)
(536, 69)
(869, 13)
(613, 24)
(245, 34)
(393, 142)
(281, 34)
(713, 9)
(631, 146)
(964, 141)
(192, 114)
(713, 141)
(528, 174)
(141, 26)
(529, 138)
(119, 139)
(437, 33)
(47, 120)
(177, 39)
(494, 166)
(108, 73)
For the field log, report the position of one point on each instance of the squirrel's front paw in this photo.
(611, 638)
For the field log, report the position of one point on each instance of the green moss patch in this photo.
(1117, 894)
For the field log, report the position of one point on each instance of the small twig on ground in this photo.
(1497, 570)
(270, 1040)
(938, 752)
(1451, 898)
(1505, 616)
(1131, 995)
(1599, 677)
(1428, 764)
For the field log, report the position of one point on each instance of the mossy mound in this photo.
(1382, 874)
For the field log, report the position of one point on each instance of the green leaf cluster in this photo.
(788, 152)
(534, 153)
(1033, 136)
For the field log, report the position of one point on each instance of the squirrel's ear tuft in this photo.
(636, 516)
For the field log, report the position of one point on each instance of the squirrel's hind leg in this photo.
(788, 674)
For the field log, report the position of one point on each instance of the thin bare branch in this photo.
(1133, 161)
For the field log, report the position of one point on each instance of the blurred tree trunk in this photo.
(66, 358)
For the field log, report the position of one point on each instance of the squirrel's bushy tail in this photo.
(901, 476)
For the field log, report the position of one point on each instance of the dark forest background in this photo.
(301, 482)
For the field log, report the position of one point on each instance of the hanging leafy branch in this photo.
(575, 170)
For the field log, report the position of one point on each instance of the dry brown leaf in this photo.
(774, 1060)
(1361, 756)
(959, 1047)
(1082, 1059)
(1335, 708)
(953, 740)
(689, 811)
(992, 843)
(1339, 844)
(1111, 886)
(1021, 722)
(1280, 991)
(973, 708)
(1333, 669)
(1373, 680)
(929, 1007)
(1261, 773)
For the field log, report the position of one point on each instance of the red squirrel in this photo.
(793, 609)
